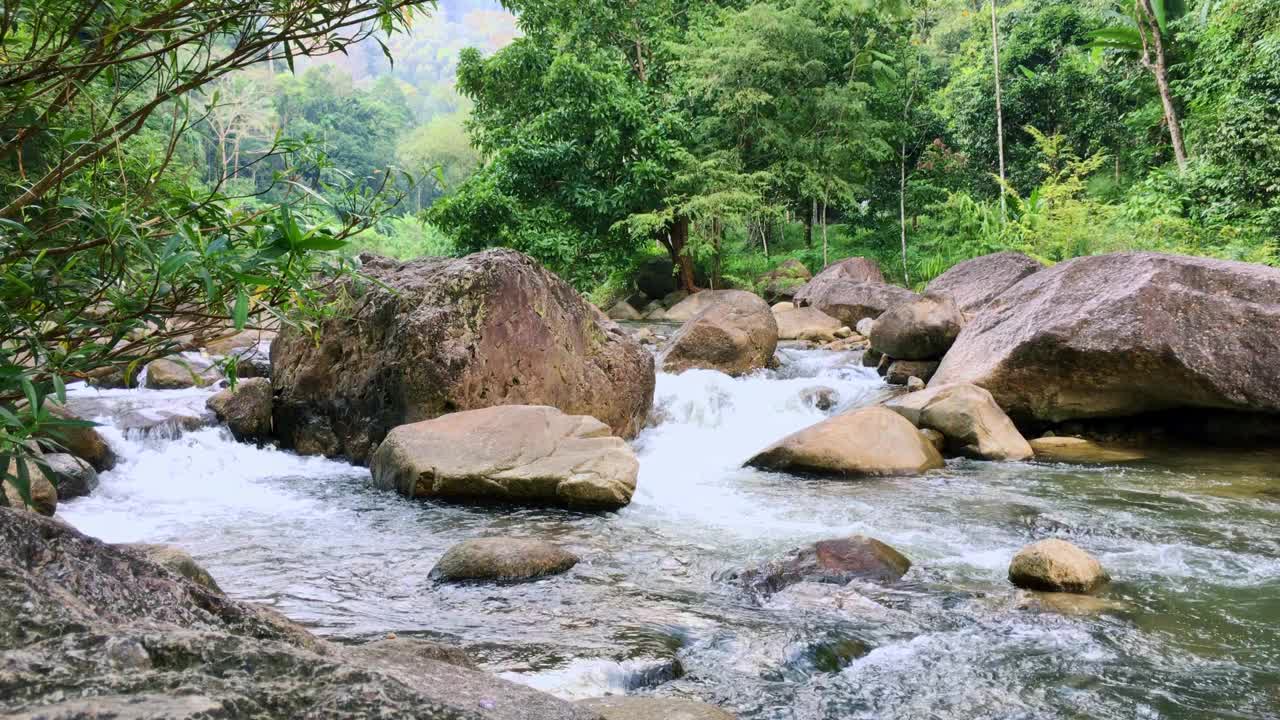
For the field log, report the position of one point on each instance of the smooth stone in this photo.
(920, 329)
(899, 372)
(177, 560)
(735, 334)
(975, 283)
(837, 561)
(1081, 451)
(807, 323)
(969, 418)
(869, 441)
(178, 373)
(502, 559)
(653, 708)
(623, 310)
(1056, 566)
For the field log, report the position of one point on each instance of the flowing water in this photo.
(1188, 628)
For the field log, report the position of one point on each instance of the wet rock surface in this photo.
(503, 560)
(870, 441)
(838, 561)
(736, 334)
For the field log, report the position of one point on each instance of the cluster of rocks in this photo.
(70, 473)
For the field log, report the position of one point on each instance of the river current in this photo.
(1189, 627)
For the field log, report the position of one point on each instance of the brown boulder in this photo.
(1056, 566)
(969, 418)
(854, 269)
(1124, 334)
(900, 372)
(246, 409)
(921, 329)
(85, 443)
(502, 559)
(44, 496)
(177, 373)
(493, 328)
(837, 561)
(175, 560)
(525, 454)
(850, 302)
(1082, 451)
(623, 310)
(689, 306)
(735, 335)
(806, 323)
(976, 282)
(870, 441)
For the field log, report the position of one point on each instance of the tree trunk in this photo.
(824, 233)
(676, 238)
(902, 210)
(995, 54)
(716, 230)
(1152, 38)
(808, 225)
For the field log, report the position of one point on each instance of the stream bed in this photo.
(1189, 627)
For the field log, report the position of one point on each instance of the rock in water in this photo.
(1080, 450)
(806, 323)
(502, 559)
(838, 561)
(74, 477)
(176, 560)
(92, 630)
(524, 454)
(849, 301)
(85, 443)
(735, 335)
(177, 373)
(1056, 566)
(922, 329)
(855, 269)
(974, 283)
(623, 310)
(1124, 334)
(968, 416)
(44, 496)
(653, 708)
(246, 409)
(492, 328)
(870, 441)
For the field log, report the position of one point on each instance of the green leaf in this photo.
(59, 389)
(241, 312)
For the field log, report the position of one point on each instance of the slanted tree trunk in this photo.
(995, 54)
(1153, 40)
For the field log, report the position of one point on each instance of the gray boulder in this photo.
(921, 329)
(854, 269)
(74, 477)
(502, 559)
(976, 282)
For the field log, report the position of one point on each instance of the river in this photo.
(1188, 628)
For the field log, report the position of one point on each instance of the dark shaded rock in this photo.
(246, 409)
(849, 301)
(854, 269)
(656, 277)
(89, 630)
(899, 372)
(502, 559)
(74, 477)
(735, 335)
(871, 357)
(493, 328)
(921, 329)
(837, 561)
(44, 496)
(976, 282)
(1123, 334)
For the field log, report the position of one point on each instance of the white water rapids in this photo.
(1188, 631)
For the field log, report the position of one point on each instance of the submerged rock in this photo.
(502, 559)
(407, 652)
(1065, 603)
(838, 561)
(92, 630)
(449, 334)
(177, 560)
(976, 282)
(922, 329)
(968, 416)
(737, 334)
(246, 409)
(653, 708)
(870, 441)
(1080, 450)
(1056, 566)
(1124, 334)
(73, 477)
(525, 454)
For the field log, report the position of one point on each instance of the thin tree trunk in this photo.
(902, 209)
(1149, 31)
(824, 233)
(677, 238)
(808, 225)
(764, 236)
(995, 54)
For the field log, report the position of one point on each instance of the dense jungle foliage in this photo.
(175, 167)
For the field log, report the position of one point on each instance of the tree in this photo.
(111, 249)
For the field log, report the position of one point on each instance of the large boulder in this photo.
(735, 335)
(526, 454)
(870, 441)
(920, 329)
(968, 417)
(837, 561)
(502, 559)
(656, 277)
(689, 306)
(92, 630)
(854, 269)
(445, 334)
(782, 282)
(806, 323)
(622, 707)
(1082, 451)
(73, 476)
(1056, 566)
(850, 301)
(976, 282)
(85, 442)
(1124, 334)
(623, 310)
(246, 409)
